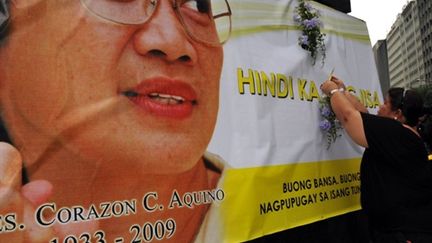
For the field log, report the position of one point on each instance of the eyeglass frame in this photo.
(176, 7)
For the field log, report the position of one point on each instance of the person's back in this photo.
(396, 177)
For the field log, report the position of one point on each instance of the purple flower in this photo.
(304, 40)
(325, 125)
(311, 23)
(325, 111)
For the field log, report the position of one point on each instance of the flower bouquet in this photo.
(329, 123)
(311, 39)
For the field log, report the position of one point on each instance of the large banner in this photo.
(173, 121)
(282, 172)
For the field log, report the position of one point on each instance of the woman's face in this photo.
(144, 94)
(386, 110)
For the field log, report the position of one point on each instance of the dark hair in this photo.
(409, 102)
(425, 128)
(4, 18)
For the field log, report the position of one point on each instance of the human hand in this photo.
(340, 83)
(18, 203)
(328, 86)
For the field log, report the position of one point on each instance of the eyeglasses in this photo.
(206, 21)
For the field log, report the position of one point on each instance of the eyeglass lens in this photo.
(204, 20)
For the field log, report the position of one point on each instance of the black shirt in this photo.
(396, 177)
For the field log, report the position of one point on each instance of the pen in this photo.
(331, 74)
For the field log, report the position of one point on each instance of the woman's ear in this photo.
(399, 115)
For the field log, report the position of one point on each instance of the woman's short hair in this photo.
(4, 18)
(409, 102)
(425, 128)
